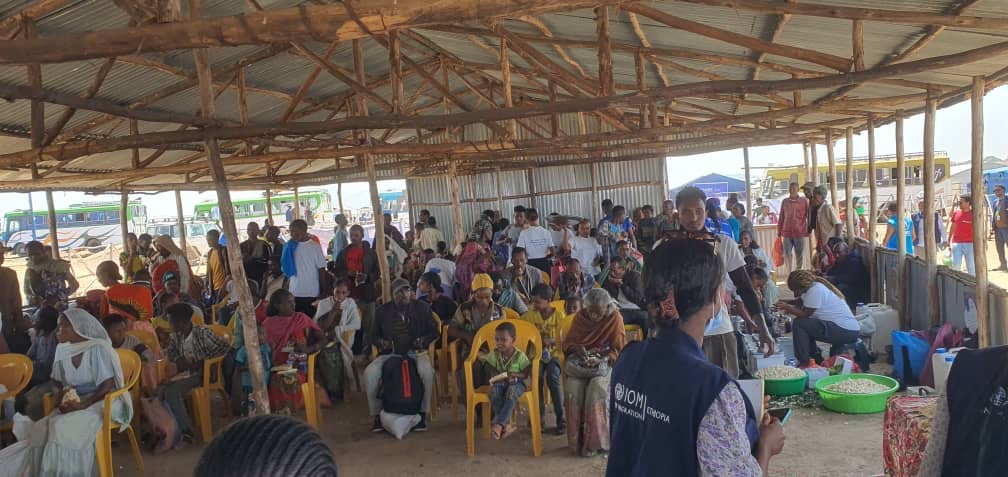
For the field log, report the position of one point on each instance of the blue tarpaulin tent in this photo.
(715, 185)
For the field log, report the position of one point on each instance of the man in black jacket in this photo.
(627, 288)
(402, 327)
(358, 263)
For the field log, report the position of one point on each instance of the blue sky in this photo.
(952, 134)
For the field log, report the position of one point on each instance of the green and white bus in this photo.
(316, 203)
(92, 224)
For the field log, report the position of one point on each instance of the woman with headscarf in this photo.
(475, 258)
(685, 416)
(821, 314)
(591, 346)
(87, 367)
(470, 317)
(171, 258)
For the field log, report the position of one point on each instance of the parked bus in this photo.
(80, 225)
(775, 185)
(317, 203)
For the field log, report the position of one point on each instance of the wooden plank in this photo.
(912, 17)
(297, 203)
(852, 227)
(357, 86)
(12, 24)
(815, 164)
(873, 208)
(755, 44)
(857, 44)
(930, 243)
(605, 66)
(979, 203)
(904, 289)
(245, 304)
(805, 161)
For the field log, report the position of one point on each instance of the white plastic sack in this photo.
(868, 325)
(399, 424)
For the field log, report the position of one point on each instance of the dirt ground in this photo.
(810, 449)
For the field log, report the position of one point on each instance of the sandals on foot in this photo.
(495, 431)
(510, 429)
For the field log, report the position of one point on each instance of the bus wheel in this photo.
(19, 250)
(93, 242)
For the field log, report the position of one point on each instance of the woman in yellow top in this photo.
(549, 321)
(131, 260)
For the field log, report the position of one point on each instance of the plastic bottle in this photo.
(937, 361)
(860, 309)
(941, 373)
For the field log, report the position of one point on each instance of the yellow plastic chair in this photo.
(213, 380)
(313, 411)
(526, 335)
(151, 342)
(510, 314)
(217, 308)
(634, 332)
(546, 278)
(103, 444)
(15, 373)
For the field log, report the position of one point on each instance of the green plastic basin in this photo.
(785, 387)
(856, 403)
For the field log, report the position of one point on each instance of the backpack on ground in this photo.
(401, 391)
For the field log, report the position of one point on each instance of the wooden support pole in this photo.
(458, 232)
(180, 218)
(872, 210)
(852, 227)
(297, 204)
(805, 157)
(269, 206)
(979, 216)
(831, 158)
(505, 65)
(500, 195)
(246, 307)
(596, 200)
(605, 65)
(339, 197)
(904, 309)
(124, 220)
(531, 186)
(395, 71)
(379, 230)
(815, 164)
(748, 181)
(53, 232)
(930, 242)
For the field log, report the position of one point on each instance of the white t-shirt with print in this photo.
(308, 259)
(536, 241)
(445, 270)
(585, 250)
(829, 307)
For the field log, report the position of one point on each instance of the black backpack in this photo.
(402, 391)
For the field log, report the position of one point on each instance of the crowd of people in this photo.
(690, 278)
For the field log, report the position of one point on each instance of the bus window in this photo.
(215, 213)
(258, 209)
(112, 217)
(95, 217)
(14, 225)
(41, 220)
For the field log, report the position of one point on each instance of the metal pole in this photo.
(181, 220)
(979, 222)
(53, 233)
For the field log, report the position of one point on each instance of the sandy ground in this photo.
(810, 449)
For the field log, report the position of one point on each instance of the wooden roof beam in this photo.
(912, 17)
(798, 53)
(782, 20)
(11, 25)
(329, 22)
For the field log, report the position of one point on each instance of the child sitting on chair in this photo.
(510, 367)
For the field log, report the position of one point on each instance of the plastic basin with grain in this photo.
(785, 387)
(856, 403)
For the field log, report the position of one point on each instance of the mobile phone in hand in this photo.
(782, 414)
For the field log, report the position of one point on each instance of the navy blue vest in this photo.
(977, 442)
(659, 392)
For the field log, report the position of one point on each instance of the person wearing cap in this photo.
(173, 286)
(402, 326)
(10, 310)
(171, 258)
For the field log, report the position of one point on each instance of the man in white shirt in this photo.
(537, 242)
(821, 314)
(430, 235)
(513, 230)
(719, 337)
(444, 268)
(309, 264)
(585, 249)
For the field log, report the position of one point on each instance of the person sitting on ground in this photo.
(63, 443)
(627, 288)
(821, 314)
(267, 446)
(339, 319)
(133, 302)
(849, 274)
(402, 326)
(548, 320)
(591, 346)
(116, 326)
(573, 281)
(510, 368)
(431, 292)
(187, 348)
(524, 277)
(505, 296)
(698, 422)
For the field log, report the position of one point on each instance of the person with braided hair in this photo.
(269, 445)
(821, 314)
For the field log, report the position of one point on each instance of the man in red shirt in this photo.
(961, 235)
(793, 226)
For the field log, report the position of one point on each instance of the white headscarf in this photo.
(95, 336)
